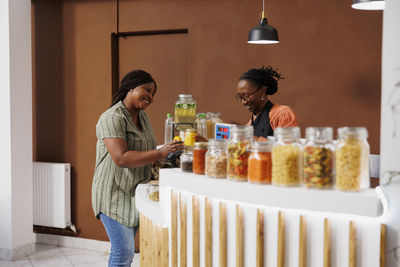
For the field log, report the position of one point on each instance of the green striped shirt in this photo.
(113, 187)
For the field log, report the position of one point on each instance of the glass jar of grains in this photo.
(238, 151)
(199, 154)
(216, 159)
(352, 151)
(287, 155)
(318, 158)
(186, 160)
(260, 164)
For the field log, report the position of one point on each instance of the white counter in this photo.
(365, 203)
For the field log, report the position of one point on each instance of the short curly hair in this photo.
(264, 76)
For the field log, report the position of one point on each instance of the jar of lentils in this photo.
(260, 163)
(318, 158)
(199, 154)
(287, 157)
(216, 159)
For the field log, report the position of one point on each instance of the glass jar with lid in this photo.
(238, 151)
(186, 160)
(352, 151)
(212, 119)
(287, 155)
(318, 158)
(199, 157)
(216, 159)
(185, 112)
(260, 163)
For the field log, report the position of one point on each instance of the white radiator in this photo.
(52, 194)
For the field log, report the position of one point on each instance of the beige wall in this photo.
(329, 53)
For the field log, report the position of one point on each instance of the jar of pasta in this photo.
(352, 151)
(216, 159)
(287, 157)
(238, 151)
(260, 163)
(318, 158)
(199, 154)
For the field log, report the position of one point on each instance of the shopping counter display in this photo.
(202, 221)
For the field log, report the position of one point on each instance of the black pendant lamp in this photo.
(368, 4)
(263, 33)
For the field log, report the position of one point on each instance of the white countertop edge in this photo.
(145, 206)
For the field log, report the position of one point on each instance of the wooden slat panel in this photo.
(222, 235)
(352, 245)
(327, 244)
(208, 233)
(260, 238)
(174, 230)
(196, 231)
(382, 257)
(182, 232)
(165, 248)
(239, 237)
(146, 248)
(156, 245)
(302, 242)
(281, 240)
(142, 236)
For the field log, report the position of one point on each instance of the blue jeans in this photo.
(122, 240)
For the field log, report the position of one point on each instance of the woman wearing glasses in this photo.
(253, 89)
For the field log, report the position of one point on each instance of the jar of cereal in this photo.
(318, 158)
(260, 163)
(287, 157)
(238, 151)
(352, 151)
(216, 159)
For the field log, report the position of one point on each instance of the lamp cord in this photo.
(117, 16)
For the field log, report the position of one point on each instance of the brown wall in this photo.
(329, 53)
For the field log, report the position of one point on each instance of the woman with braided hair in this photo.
(125, 149)
(253, 89)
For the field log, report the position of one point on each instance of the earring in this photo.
(262, 98)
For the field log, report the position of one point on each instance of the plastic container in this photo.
(212, 119)
(260, 163)
(186, 162)
(352, 152)
(216, 159)
(199, 157)
(238, 151)
(318, 158)
(185, 112)
(202, 125)
(287, 157)
(168, 129)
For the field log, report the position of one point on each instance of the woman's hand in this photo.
(171, 148)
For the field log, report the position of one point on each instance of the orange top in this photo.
(280, 116)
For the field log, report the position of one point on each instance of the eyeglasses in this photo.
(245, 97)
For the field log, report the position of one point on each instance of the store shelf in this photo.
(365, 203)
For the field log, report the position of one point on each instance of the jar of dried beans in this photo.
(186, 162)
(238, 151)
(199, 154)
(216, 159)
(287, 157)
(260, 163)
(352, 151)
(318, 158)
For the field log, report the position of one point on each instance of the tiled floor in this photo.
(54, 256)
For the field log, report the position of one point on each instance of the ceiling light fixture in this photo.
(368, 4)
(263, 33)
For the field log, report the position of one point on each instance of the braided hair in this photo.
(264, 76)
(132, 80)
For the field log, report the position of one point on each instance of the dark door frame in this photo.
(115, 50)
